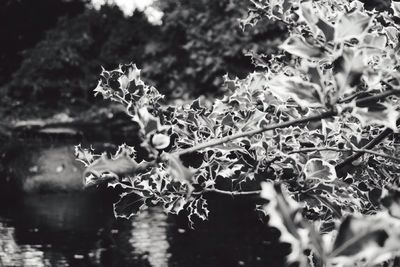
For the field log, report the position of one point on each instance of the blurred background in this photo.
(51, 54)
(53, 50)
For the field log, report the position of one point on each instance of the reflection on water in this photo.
(149, 237)
(12, 254)
(79, 229)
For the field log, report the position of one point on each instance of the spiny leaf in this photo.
(284, 214)
(84, 155)
(348, 69)
(147, 122)
(372, 239)
(177, 170)
(129, 205)
(119, 165)
(230, 171)
(320, 170)
(176, 205)
(306, 94)
(131, 74)
(298, 46)
(315, 22)
(387, 115)
(197, 208)
(396, 8)
(351, 25)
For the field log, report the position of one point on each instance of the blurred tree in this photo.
(200, 41)
(197, 43)
(62, 69)
(23, 23)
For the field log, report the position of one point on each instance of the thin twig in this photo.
(235, 193)
(230, 193)
(366, 99)
(362, 150)
(226, 139)
(350, 242)
(379, 138)
(349, 98)
(323, 115)
(377, 97)
(123, 100)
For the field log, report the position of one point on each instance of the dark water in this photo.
(79, 230)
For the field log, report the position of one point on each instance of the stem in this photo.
(367, 99)
(123, 100)
(226, 139)
(349, 98)
(349, 243)
(323, 115)
(377, 97)
(374, 141)
(235, 193)
(362, 150)
(335, 211)
(357, 155)
(230, 193)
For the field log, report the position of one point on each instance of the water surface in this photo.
(79, 229)
(44, 227)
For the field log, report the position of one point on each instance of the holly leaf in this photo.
(84, 155)
(130, 74)
(315, 22)
(320, 170)
(95, 180)
(298, 46)
(100, 89)
(177, 170)
(305, 93)
(348, 69)
(391, 201)
(175, 205)
(327, 29)
(370, 239)
(119, 165)
(197, 208)
(230, 171)
(129, 205)
(285, 215)
(355, 234)
(147, 122)
(351, 25)
(386, 115)
(395, 6)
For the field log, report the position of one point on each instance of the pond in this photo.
(77, 228)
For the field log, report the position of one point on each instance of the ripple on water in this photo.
(13, 254)
(149, 237)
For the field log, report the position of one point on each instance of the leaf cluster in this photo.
(327, 101)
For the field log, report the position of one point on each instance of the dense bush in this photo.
(197, 43)
(61, 66)
(314, 133)
(200, 41)
(23, 24)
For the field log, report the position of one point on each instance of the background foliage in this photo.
(185, 56)
(314, 131)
